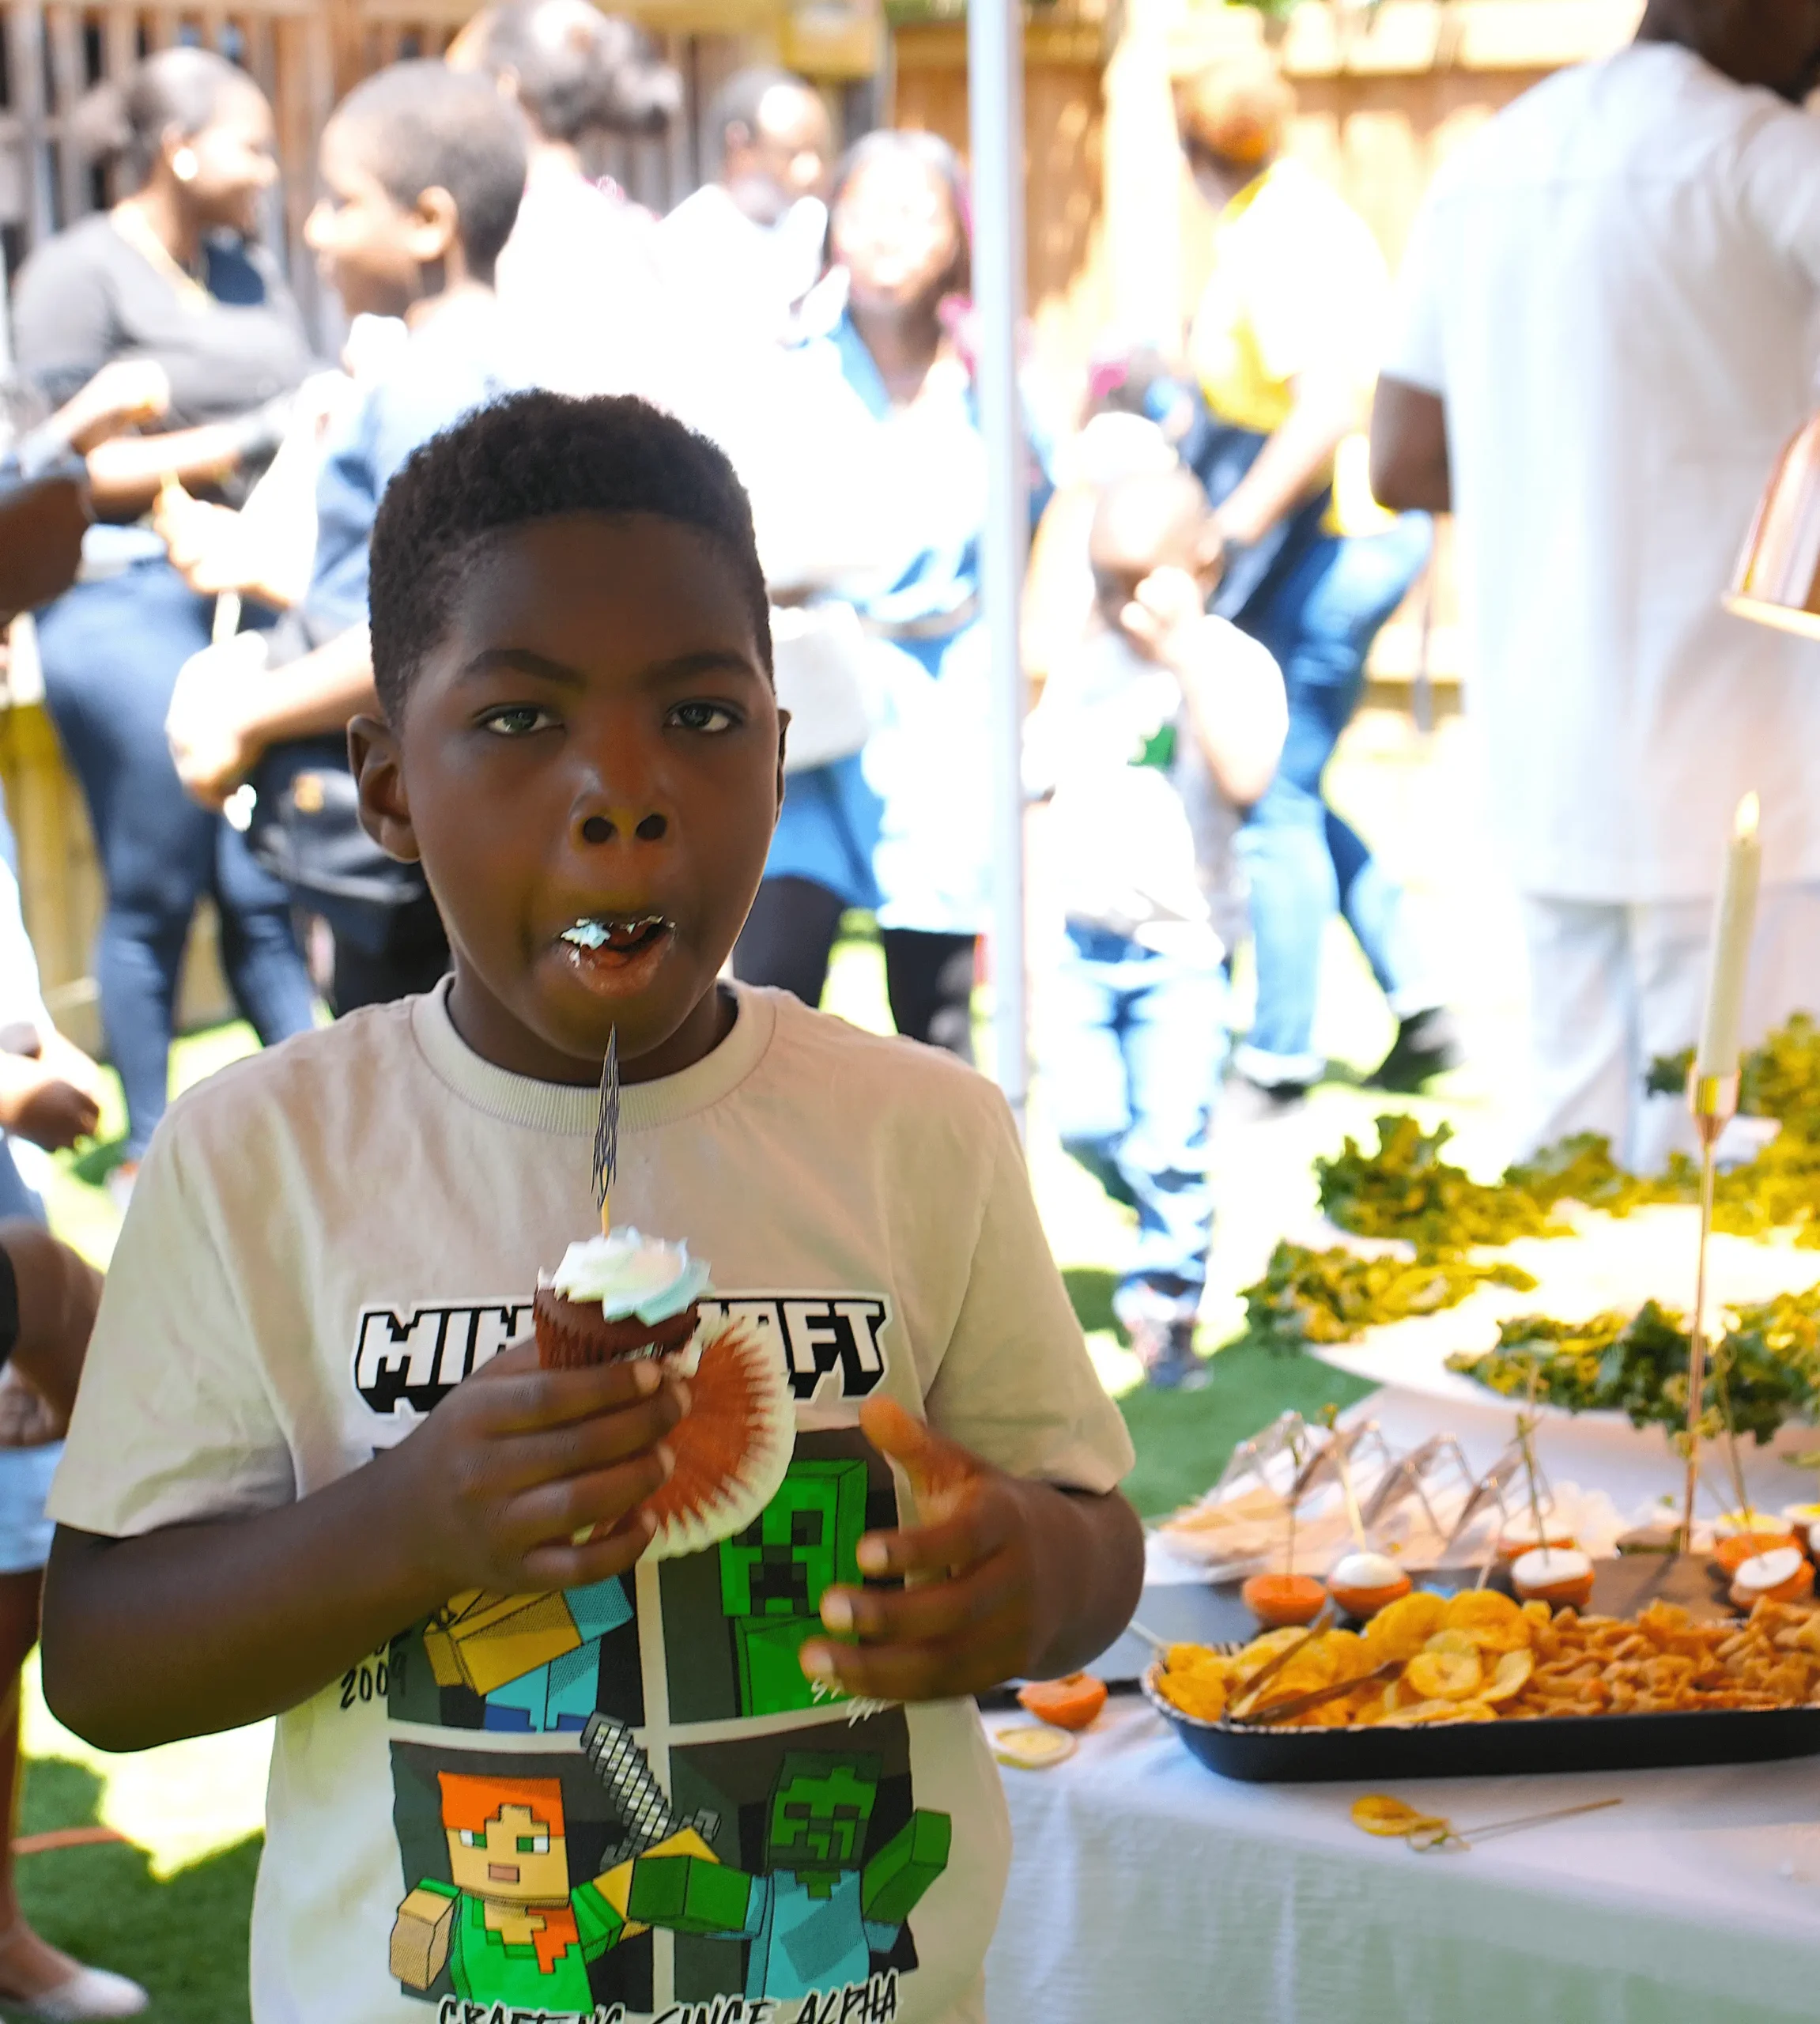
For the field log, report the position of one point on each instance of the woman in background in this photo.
(902, 828)
(170, 274)
(579, 278)
(1285, 347)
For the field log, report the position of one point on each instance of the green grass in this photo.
(184, 1936)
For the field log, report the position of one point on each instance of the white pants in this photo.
(1611, 987)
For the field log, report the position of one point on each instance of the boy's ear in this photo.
(379, 776)
(782, 750)
(432, 229)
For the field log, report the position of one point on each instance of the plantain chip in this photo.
(1445, 1676)
(1510, 1678)
(1493, 1621)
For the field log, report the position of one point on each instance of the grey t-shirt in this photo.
(89, 296)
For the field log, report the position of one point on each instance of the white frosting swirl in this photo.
(1365, 1571)
(629, 1274)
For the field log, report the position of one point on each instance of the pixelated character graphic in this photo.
(508, 1924)
(818, 1914)
(774, 1574)
(535, 1660)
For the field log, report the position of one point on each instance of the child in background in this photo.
(1151, 737)
(422, 168)
(304, 1434)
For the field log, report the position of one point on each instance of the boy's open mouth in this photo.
(617, 934)
(615, 955)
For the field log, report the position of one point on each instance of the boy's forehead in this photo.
(599, 593)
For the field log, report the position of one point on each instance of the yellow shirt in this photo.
(1297, 281)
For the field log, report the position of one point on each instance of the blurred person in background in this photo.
(422, 168)
(1606, 339)
(742, 253)
(49, 1099)
(172, 274)
(47, 1301)
(1156, 725)
(579, 277)
(902, 828)
(1285, 346)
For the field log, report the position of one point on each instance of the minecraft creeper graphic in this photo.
(817, 1914)
(773, 1575)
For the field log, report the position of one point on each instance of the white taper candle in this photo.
(1721, 1032)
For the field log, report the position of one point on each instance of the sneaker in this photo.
(1166, 1350)
(1427, 1044)
(63, 1989)
(89, 1993)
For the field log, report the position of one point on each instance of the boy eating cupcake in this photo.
(316, 1470)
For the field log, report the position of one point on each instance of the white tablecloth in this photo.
(1143, 1886)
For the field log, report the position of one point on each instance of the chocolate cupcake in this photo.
(618, 1295)
(627, 1295)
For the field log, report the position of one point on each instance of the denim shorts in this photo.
(25, 1474)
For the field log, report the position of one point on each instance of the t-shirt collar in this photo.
(564, 1107)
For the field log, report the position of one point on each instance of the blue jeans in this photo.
(1136, 1043)
(1302, 860)
(112, 651)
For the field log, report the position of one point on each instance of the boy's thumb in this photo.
(933, 1463)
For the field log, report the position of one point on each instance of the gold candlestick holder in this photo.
(1713, 1101)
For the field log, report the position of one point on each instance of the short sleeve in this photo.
(174, 1422)
(1778, 169)
(64, 326)
(1016, 1384)
(1414, 353)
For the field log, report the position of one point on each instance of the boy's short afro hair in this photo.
(420, 125)
(532, 456)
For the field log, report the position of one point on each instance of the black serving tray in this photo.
(1490, 1750)
(1509, 1748)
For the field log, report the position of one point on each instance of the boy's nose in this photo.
(604, 822)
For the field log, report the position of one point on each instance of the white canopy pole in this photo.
(995, 97)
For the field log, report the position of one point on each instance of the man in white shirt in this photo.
(747, 247)
(1606, 341)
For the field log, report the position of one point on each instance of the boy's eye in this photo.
(534, 1844)
(468, 1838)
(516, 720)
(713, 717)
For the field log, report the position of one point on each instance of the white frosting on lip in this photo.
(1365, 1571)
(629, 1274)
(596, 931)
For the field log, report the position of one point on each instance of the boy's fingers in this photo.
(940, 1671)
(562, 1564)
(578, 1447)
(522, 1398)
(978, 1528)
(551, 1513)
(930, 1614)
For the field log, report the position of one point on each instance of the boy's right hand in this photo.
(517, 1461)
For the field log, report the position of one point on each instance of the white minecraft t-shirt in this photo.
(625, 1799)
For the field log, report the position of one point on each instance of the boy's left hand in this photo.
(977, 1608)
